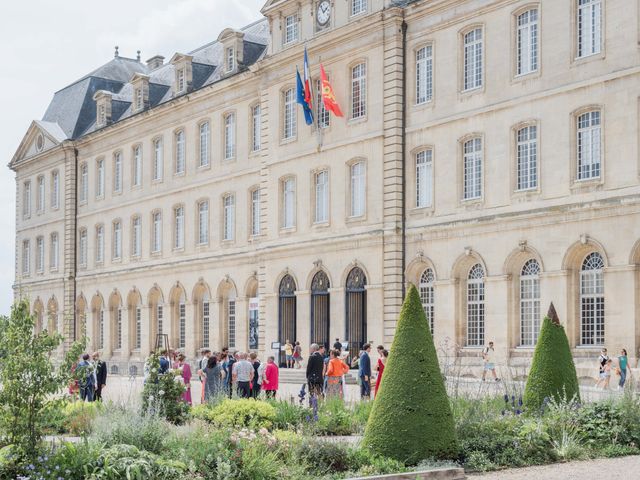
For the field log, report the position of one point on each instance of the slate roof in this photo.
(72, 112)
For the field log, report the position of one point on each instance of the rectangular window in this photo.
(589, 141)
(291, 29)
(180, 162)
(119, 329)
(84, 182)
(255, 128)
(136, 239)
(159, 318)
(100, 178)
(472, 181)
(229, 136)
(158, 159)
(117, 172)
(156, 237)
(527, 42)
(358, 189)
(99, 244)
(231, 317)
(424, 74)
(182, 325)
(40, 253)
(205, 324)
(101, 329)
(26, 199)
(139, 98)
(26, 257)
(181, 83)
(40, 204)
(203, 223)
(117, 241)
(473, 59)
(255, 212)
(82, 256)
(288, 203)
(229, 217)
(289, 111)
(322, 197)
(53, 255)
(204, 144)
(424, 179)
(55, 189)
(589, 27)
(358, 7)
(527, 153)
(231, 59)
(322, 114)
(359, 91)
(138, 327)
(137, 166)
(178, 241)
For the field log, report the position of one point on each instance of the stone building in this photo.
(488, 154)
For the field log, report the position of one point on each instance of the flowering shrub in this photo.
(162, 393)
(237, 413)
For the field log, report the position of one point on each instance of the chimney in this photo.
(155, 62)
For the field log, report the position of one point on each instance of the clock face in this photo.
(324, 12)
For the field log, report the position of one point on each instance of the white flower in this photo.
(151, 398)
(161, 392)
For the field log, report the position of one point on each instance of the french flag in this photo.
(304, 91)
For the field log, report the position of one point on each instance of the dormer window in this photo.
(139, 99)
(291, 29)
(358, 7)
(102, 115)
(103, 108)
(180, 84)
(231, 59)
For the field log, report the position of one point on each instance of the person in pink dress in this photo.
(270, 378)
(382, 361)
(185, 373)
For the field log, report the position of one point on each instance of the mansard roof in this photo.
(73, 110)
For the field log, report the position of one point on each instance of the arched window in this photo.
(287, 310)
(529, 303)
(592, 300)
(475, 306)
(356, 309)
(427, 295)
(320, 309)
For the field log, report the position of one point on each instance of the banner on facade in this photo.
(253, 323)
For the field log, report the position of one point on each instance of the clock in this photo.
(323, 14)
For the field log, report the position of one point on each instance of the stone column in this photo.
(379, 329)
(619, 314)
(191, 320)
(303, 320)
(269, 323)
(216, 339)
(337, 321)
(496, 327)
(444, 325)
(242, 323)
(145, 335)
(107, 348)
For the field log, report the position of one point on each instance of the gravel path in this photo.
(625, 468)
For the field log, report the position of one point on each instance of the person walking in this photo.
(87, 380)
(257, 379)
(297, 355)
(212, 379)
(202, 364)
(337, 345)
(364, 372)
(336, 368)
(243, 374)
(623, 366)
(270, 378)
(315, 370)
(602, 361)
(488, 357)
(101, 375)
(231, 361)
(605, 375)
(382, 361)
(185, 372)
(288, 354)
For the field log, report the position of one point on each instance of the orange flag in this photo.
(328, 97)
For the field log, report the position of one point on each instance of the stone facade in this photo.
(493, 152)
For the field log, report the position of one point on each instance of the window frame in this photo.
(464, 199)
(100, 178)
(363, 8)
(83, 248)
(577, 160)
(199, 222)
(83, 189)
(179, 152)
(40, 254)
(179, 235)
(428, 152)
(358, 216)
(136, 166)
(116, 234)
(228, 217)
(157, 174)
(426, 288)
(229, 136)
(479, 295)
(117, 186)
(326, 198)
(156, 235)
(136, 236)
(597, 279)
(516, 29)
(55, 190)
(40, 194)
(429, 61)
(26, 199)
(99, 252)
(289, 115)
(255, 224)
(359, 83)
(295, 29)
(529, 306)
(256, 127)
(26, 257)
(287, 195)
(518, 187)
(54, 252)
(464, 88)
(204, 154)
(576, 8)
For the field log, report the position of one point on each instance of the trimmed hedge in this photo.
(411, 418)
(553, 373)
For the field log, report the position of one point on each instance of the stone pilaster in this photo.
(68, 254)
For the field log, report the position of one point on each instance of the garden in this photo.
(412, 425)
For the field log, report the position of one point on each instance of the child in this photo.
(605, 376)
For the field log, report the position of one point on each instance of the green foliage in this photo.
(28, 378)
(162, 394)
(334, 418)
(361, 413)
(128, 462)
(411, 418)
(237, 413)
(602, 424)
(79, 416)
(553, 373)
(289, 415)
(118, 426)
(324, 456)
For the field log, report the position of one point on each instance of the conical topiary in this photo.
(553, 373)
(411, 418)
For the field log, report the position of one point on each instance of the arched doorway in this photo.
(356, 309)
(286, 311)
(320, 309)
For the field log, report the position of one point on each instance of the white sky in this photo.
(47, 44)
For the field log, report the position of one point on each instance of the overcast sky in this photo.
(46, 45)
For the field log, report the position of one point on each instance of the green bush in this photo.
(324, 456)
(553, 373)
(238, 413)
(128, 462)
(79, 417)
(361, 413)
(411, 418)
(334, 418)
(161, 395)
(602, 424)
(289, 415)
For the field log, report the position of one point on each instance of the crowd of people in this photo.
(607, 366)
(91, 378)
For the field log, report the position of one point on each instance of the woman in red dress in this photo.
(382, 361)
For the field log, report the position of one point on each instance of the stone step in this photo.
(298, 376)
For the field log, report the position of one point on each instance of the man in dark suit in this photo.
(315, 367)
(101, 376)
(165, 364)
(364, 372)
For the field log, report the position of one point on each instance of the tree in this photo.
(411, 418)
(553, 373)
(29, 381)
